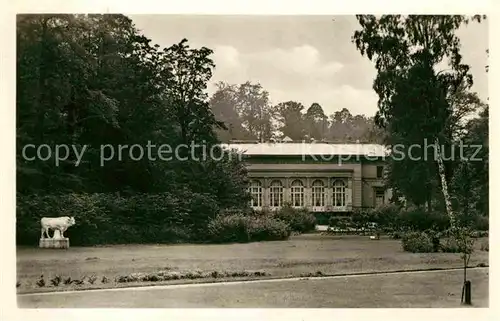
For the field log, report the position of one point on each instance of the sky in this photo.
(302, 58)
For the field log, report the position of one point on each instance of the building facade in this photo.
(328, 178)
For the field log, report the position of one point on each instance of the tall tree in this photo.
(223, 104)
(95, 80)
(255, 110)
(341, 125)
(76, 76)
(346, 128)
(316, 122)
(291, 120)
(407, 49)
(189, 71)
(470, 181)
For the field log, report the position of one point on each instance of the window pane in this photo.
(318, 193)
(276, 193)
(297, 193)
(380, 171)
(339, 193)
(256, 193)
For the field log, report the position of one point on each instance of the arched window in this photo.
(297, 192)
(318, 193)
(276, 194)
(256, 193)
(338, 193)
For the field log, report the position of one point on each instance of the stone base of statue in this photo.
(56, 242)
(62, 243)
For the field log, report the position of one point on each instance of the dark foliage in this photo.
(393, 219)
(421, 220)
(450, 245)
(238, 228)
(417, 242)
(420, 105)
(90, 81)
(107, 219)
(299, 220)
(249, 115)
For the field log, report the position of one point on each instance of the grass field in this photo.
(301, 254)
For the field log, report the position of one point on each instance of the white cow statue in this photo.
(56, 223)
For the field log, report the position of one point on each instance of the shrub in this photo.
(361, 217)
(479, 234)
(450, 245)
(259, 213)
(386, 216)
(485, 246)
(334, 221)
(201, 209)
(421, 220)
(243, 211)
(41, 282)
(473, 221)
(417, 242)
(396, 235)
(267, 229)
(192, 275)
(435, 239)
(322, 218)
(239, 228)
(229, 229)
(299, 220)
(482, 233)
(339, 222)
(481, 223)
(56, 280)
(92, 279)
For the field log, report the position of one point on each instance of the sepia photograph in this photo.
(252, 161)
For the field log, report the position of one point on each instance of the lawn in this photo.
(416, 290)
(300, 255)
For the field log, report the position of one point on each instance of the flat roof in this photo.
(299, 149)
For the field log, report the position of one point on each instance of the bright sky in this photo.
(303, 58)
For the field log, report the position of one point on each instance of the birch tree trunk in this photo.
(444, 185)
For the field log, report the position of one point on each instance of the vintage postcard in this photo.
(313, 161)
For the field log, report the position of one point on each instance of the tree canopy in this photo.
(419, 105)
(94, 80)
(249, 115)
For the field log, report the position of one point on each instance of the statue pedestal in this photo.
(56, 242)
(62, 243)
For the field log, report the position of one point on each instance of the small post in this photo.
(468, 293)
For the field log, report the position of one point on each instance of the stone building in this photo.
(322, 177)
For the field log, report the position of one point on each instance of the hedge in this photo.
(110, 219)
(392, 218)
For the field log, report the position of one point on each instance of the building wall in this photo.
(370, 169)
(369, 194)
(371, 183)
(360, 178)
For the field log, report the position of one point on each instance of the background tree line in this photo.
(249, 114)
